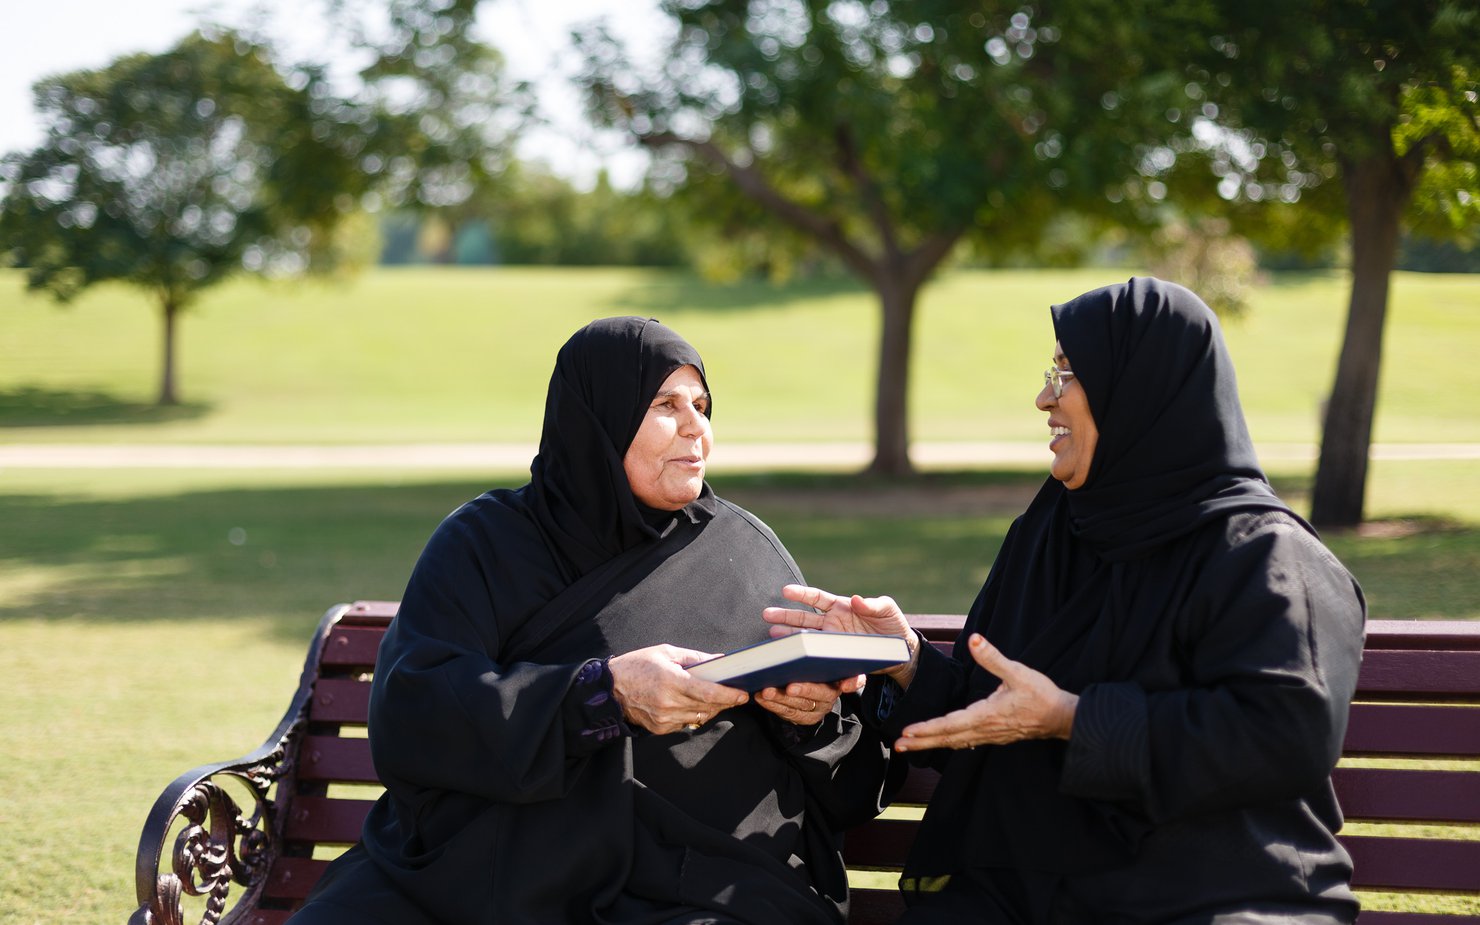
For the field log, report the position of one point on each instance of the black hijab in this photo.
(605, 376)
(1174, 450)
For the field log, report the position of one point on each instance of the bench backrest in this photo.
(1411, 750)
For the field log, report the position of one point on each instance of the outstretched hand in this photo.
(879, 616)
(656, 693)
(1027, 705)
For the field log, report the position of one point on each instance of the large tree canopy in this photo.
(1376, 99)
(887, 133)
(172, 171)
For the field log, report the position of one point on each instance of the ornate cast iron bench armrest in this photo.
(214, 842)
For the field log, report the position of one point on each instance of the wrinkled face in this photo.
(1072, 431)
(665, 463)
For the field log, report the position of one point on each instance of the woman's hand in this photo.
(806, 703)
(1028, 705)
(656, 693)
(877, 615)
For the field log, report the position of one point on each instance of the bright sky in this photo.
(44, 37)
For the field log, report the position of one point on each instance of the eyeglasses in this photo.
(1054, 377)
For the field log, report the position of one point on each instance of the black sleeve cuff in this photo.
(889, 708)
(1109, 754)
(593, 718)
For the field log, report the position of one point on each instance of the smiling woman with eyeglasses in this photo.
(1149, 734)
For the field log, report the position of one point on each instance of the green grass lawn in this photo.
(152, 620)
(413, 355)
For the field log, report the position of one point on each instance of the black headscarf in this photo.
(1174, 450)
(605, 377)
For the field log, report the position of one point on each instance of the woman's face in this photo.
(665, 463)
(1072, 431)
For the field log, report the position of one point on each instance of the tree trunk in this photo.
(1378, 188)
(171, 309)
(891, 405)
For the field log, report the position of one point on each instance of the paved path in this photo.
(504, 456)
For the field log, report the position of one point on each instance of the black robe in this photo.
(1211, 638)
(513, 794)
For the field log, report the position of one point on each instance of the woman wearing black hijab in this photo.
(546, 757)
(1140, 718)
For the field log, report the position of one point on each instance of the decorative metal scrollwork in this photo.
(217, 847)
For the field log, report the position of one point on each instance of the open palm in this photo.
(879, 616)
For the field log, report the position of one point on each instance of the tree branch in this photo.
(923, 260)
(827, 231)
(868, 188)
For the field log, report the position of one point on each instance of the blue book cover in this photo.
(803, 656)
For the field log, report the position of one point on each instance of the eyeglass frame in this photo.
(1053, 377)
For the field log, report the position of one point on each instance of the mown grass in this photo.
(453, 355)
(151, 620)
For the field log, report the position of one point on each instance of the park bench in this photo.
(242, 842)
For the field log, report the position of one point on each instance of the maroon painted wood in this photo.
(324, 821)
(882, 844)
(292, 878)
(331, 758)
(1408, 795)
(917, 788)
(1419, 672)
(1413, 730)
(874, 907)
(1404, 864)
(353, 646)
(340, 700)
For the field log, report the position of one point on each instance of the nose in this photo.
(692, 422)
(1045, 399)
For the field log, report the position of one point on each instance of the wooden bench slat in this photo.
(1412, 863)
(325, 821)
(340, 700)
(874, 907)
(883, 843)
(352, 646)
(1449, 635)
(1413, 729)
(917, 788)
(937, 627)
(1415, 672)
(265, 917)
(374, 613)
(1409, 795)
(292, 878)
(331, 758)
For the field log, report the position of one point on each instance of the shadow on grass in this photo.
(283, 554)
(31, 406)
(687, 292)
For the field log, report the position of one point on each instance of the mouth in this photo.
(691, 462)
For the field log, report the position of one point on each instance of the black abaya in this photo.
(1213, 643)
(515, 793)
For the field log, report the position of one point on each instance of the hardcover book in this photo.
(803, 656)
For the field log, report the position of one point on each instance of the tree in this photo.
(171, 172)
(1376, 98)
(886, 133)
